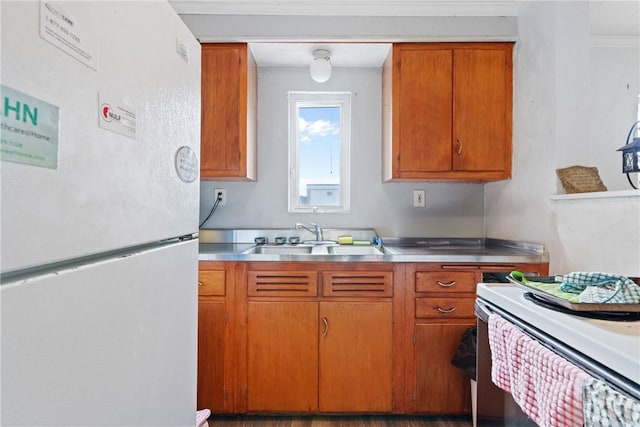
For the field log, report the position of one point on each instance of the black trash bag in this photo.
(465, 356)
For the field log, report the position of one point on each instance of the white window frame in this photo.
(299, 100)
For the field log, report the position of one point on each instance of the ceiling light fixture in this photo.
(320, 68)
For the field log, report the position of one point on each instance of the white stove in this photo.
(613, 344)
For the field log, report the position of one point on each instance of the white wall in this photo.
(615, 85)
(598, 232)
(553, 92)
(454, 210)
(519, 208)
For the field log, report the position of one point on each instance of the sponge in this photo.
(345, 240)
(361, 242)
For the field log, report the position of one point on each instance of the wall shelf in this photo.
(597, 195)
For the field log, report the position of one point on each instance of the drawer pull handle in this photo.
(200, 283)
(325, 322)
(446, 310)
(459, 149)
(446, 285)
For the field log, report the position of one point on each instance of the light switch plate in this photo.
(418, 199)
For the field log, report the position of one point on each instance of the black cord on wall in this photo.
(213, 209)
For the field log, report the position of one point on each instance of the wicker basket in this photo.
(580, 179)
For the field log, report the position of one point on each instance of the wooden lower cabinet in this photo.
(328, 337)
(282, 357)
(211, 326)
(215, 335)
(311, 351)
(441, 388)
(355, 357)
(440, 308)
(319, 357)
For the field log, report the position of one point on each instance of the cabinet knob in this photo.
(446, 310)
(200, 283)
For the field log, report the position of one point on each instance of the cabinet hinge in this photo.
(226, 317)
(413, 395)
(225, 395)
(246, 394)
(413, 339)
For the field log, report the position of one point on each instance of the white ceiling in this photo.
(610, 20)
(367, 55)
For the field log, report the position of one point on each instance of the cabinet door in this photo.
(211, 355)
(228, 110)
(482, 113)
(422, 127)
(282, 365)
(451, 112)
(440, 387)
(355, 357)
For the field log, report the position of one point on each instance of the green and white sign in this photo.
(29, 131)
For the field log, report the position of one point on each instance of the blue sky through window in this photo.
(319, 146)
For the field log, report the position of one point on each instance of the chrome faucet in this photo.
(316, 230)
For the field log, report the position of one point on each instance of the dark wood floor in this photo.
(339, 421)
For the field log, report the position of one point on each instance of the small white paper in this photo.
(117, 117)
(72, 27)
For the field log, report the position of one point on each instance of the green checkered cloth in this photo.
(604, 406)
(598, 288)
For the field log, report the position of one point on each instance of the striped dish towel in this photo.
(547, 388)
(604, 406)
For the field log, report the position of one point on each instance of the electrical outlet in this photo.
(223, 196)
(418, 199)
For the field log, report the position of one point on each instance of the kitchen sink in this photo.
(354, 250)
(312, 249)
(280, 250)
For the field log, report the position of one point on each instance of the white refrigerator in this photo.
(99, 214)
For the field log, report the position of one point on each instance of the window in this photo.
(319, 134)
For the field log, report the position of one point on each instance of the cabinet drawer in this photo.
(211, 282)
(282, 283)
(440, 308)
(357, 284)
(445, 281)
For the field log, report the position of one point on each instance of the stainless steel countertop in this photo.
(459, 250)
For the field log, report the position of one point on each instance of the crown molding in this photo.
(347, 7)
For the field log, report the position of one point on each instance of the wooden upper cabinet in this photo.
(424, 100)
(229, 98)
(482, 110)
(449, 108)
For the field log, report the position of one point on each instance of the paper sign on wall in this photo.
(71, 27)
(116, 117)
(29, 129)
